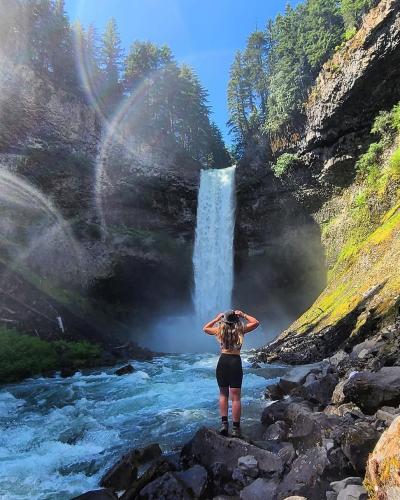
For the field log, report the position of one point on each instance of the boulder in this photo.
(317, 388)
(297, 375)
(338, 396)
(260, 489)
(122, 474)
(208, 447)
(382, 474)
(285, 410)
(274, 392)
(124, 370)
(353, 492)
(371, 390)
(304, 477)
(358, 441)
(387, 414)
(167, 486)
(102, 494)
(248, 465)
(276, 431)
(156, 470)
(195, 480)
(338, 486)
(338, 357)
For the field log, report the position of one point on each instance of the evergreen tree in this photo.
(110, 62)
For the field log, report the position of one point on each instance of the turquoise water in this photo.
(59, 435)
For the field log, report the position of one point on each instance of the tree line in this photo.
(271, 78)
(166, 98)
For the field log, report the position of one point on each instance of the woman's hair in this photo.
(230, 335)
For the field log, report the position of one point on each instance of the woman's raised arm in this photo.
(209, 327)
(252, 323)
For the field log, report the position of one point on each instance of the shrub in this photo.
(76, 353)
(349, 33)
(23, 355)
(368, 162)
(284, 163)
(394, 163)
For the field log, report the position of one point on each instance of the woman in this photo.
(230, 332)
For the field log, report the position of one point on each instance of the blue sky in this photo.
(202, 33)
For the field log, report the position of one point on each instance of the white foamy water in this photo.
(58, 436)
(213, 250)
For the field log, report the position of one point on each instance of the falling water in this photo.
(213, 250)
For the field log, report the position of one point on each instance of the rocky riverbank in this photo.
(319, 426)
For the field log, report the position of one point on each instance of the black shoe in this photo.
(236, 433)
(224, 429)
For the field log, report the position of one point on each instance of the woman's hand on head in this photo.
(239, 313)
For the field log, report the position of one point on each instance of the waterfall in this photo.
(213, 249)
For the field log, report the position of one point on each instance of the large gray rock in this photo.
(285, 410)
(304, 477)
(208, 447)
(276, 431)
(338, 486)
(123, 473)
(248, 465)
(166, 487)
(195, 480)
(353, 492)
(358, 442)
(371, 390)
(157, 469)
(297, 376)
(260, 489)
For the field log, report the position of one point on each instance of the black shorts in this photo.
(229, 371)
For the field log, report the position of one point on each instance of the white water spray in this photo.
(213, 249)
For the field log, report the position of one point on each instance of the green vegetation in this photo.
(172, 104)
(24, 355)
(354, 10)
(271, 79)
(283, 164)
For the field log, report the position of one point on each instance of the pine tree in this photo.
(110, 61)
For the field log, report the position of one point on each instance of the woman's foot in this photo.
(236, 433)
(224, 429)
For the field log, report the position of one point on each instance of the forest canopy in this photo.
(94, 67)
(271, 78)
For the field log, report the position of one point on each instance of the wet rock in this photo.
(274, 392)
(260, 489)
(305, 476)
(124, 370)
(167, 486)
(276, 431)
(122, 474)
(208, 447)
(67, 371)
(371, 390)
(157, 469)
(195, 480)
(358, 441)
(101, 494)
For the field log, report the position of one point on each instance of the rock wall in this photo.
(358, 216)
(92, 213)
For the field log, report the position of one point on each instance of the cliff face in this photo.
(92, 217)
(358, 215)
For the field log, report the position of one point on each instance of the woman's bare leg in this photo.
(236, 404)
(223, 401)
